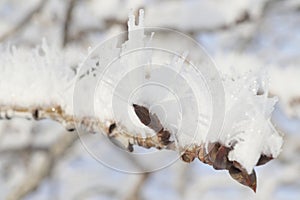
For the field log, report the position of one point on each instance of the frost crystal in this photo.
(37, 77)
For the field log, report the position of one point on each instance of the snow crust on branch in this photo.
(43, 77)
(249, 108)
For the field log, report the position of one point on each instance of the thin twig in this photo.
(135, 193)
(215, 154)
(89, 124)
(23, 149)
(43, 168)
(68, 21)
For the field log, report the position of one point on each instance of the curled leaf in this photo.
(152, 121)
(221, 160)
(212, 152)
(164, 137)
(243, 177)
(216, 155)
(263, 160)
(147, 118)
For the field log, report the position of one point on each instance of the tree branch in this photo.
(68, 20)
(26, 19)
(214, 154)
(43, 168)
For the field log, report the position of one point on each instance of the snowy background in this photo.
(40, 160)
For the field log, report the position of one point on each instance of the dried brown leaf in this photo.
(243, 177)
(152, 121)
(147, 118)
(143, 114)
(263, 160)
(212, 151)
(237, 165)
(164, 137)
(221, 160)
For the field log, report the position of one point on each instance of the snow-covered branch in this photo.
(43, 85)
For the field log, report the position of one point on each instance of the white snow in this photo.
(48, 79)
(247, 123)
(37, 77)
(272, 37)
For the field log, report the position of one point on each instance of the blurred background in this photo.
(40, 160)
